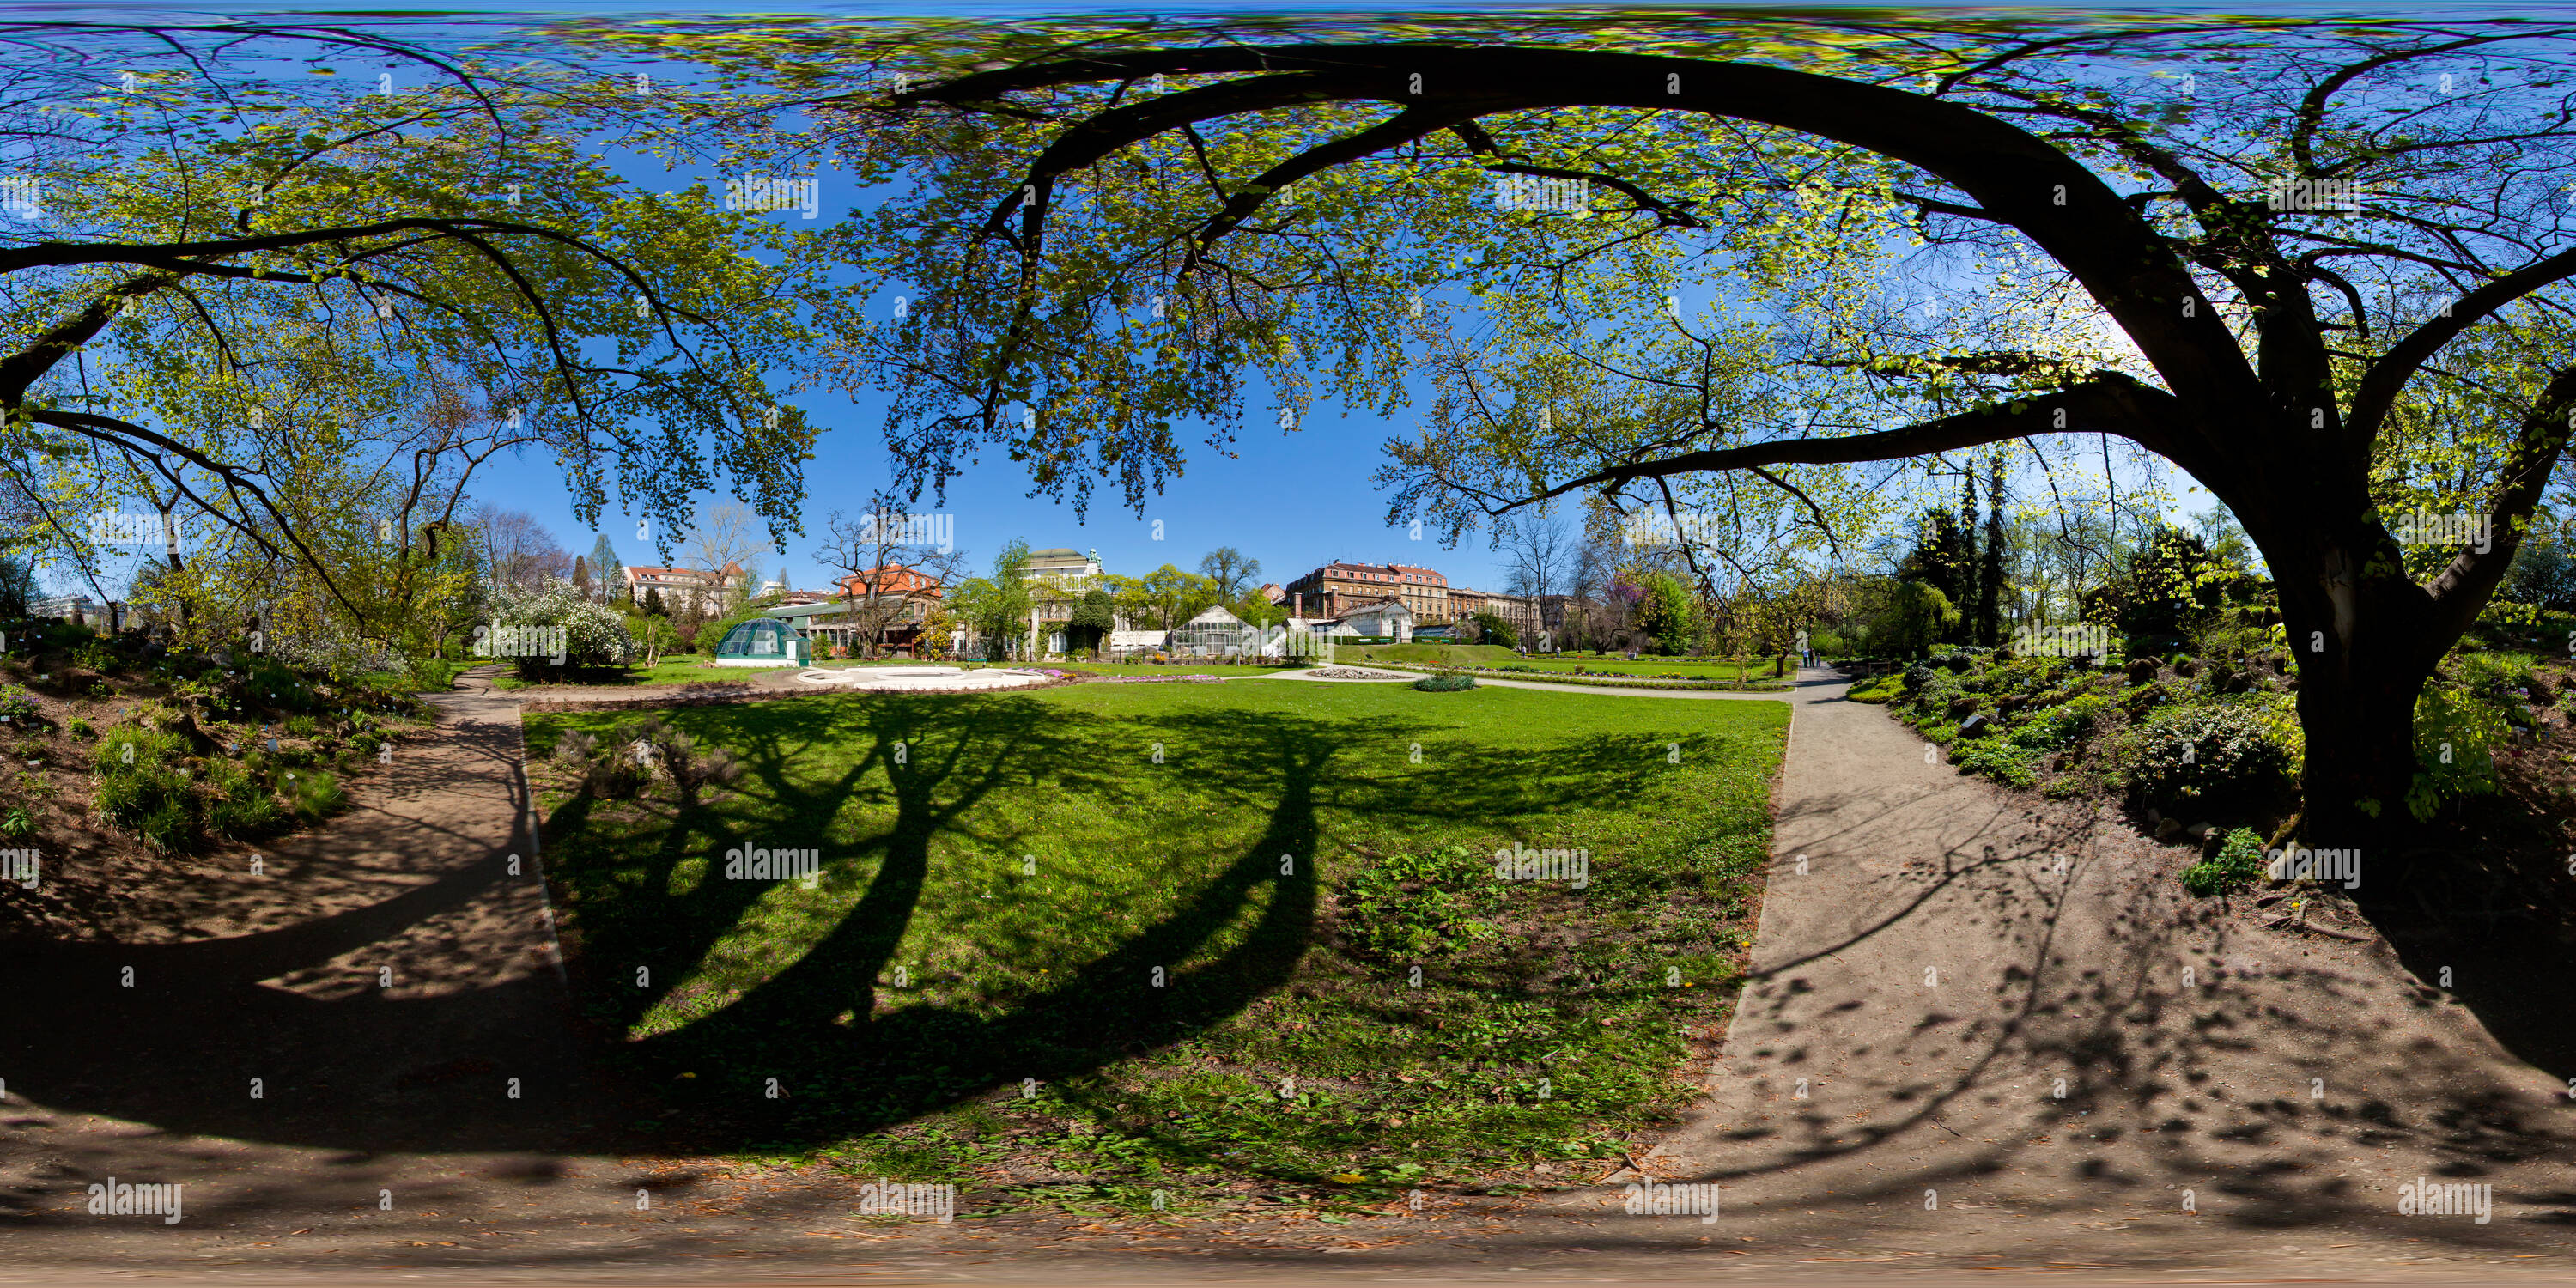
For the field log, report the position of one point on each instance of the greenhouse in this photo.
(1215, 633)
(763, 641)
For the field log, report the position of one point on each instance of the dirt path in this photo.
(1941, 1082)
(1929, 971)
(349, 1020)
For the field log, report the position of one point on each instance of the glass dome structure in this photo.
(762, 641)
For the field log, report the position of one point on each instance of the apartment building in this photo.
(1520, 611)
(1337, 589)
(683, 588)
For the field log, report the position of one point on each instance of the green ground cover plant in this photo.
(1239, 931)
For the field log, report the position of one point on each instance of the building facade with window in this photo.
(1520, 611)
(683, 589)
(1339, 588)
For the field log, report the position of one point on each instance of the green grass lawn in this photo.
(1426, 654)
(1178, 668)
(1757, 672)
(1277, 952)
(674, 669)
(1692, 668)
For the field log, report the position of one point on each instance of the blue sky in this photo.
(1292, 501)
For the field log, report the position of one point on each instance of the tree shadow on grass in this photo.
(812, 1054)
(489, 1059)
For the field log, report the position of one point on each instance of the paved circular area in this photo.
(922, 677)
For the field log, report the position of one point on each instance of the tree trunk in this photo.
(2357, 633)
(2360, 754)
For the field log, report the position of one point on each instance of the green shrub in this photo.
(2239, 862)
(432, 674)
(2057, 727)
(237, 805)
(1450, 683)
(312, 793)
(17, 824)
(1876, 690)
(2456, 733)
(2216, 756)
(300, 726)
(16, 703)
(80, 727)
(2001, 761)
(140, 787)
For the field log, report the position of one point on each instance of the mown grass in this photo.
(1687, 668)
(1176, 668)
(1276, 952)
(1426, 654)
(673, 669)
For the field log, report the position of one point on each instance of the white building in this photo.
(683, 588)
(1381, 619)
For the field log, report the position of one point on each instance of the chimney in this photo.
(1300, 609)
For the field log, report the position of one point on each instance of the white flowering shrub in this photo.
(593, 634)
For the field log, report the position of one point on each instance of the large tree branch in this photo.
(2109, 404)
(2014, 176)
(2380, 385)
(133, 438)
(2464, 587)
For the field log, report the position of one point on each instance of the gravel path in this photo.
(1936, 954)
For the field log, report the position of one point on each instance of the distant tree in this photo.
(1539, 552)
(581, 578)
(1229, 572)
(1492, 629)
(2172, 588)
(2224, 538)
(880, 563)
(1668, 613)
(1130, 597)
(653, 602)
(997, 608)
(518, 551)
(1941, 556)
(1256, 609)
(724, 542)
(1094, 616)
(1174, 596)
(607, 571)
(1919, 617)
(1990, 562)
(2543, 573)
